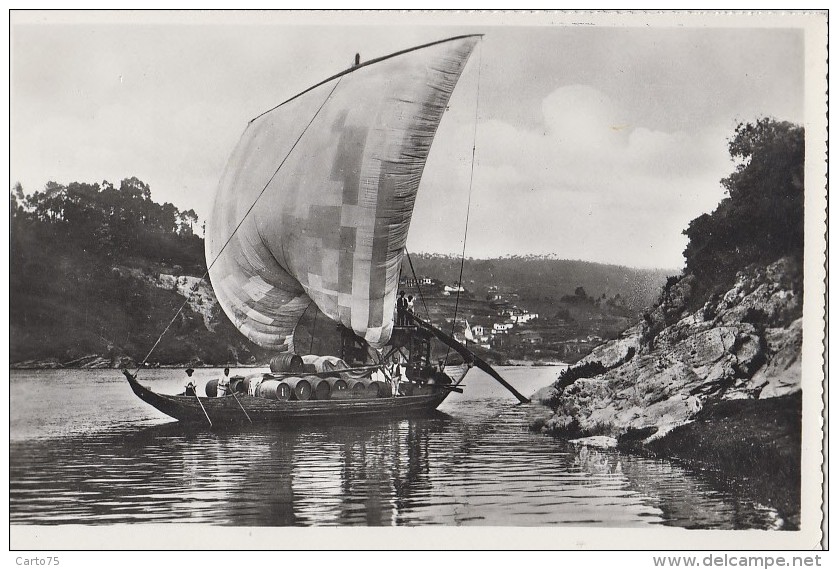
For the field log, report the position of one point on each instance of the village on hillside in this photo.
(508, 327)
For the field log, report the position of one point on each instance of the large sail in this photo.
(333, 174)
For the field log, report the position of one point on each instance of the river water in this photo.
(85, 450)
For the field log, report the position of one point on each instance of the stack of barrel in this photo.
(313, 377)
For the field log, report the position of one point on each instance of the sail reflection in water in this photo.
(475, 464)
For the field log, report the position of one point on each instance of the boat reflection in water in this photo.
(363, 480)
(81, 460)
(326, 475)
(437, 470)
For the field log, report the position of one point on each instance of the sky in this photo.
(592, 142)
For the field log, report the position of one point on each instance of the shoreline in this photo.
(58, 366)
(753, 446)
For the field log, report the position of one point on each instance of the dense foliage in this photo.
(116, 222)
(761, 219)
(85, 259)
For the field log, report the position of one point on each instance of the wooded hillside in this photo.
(87, 261)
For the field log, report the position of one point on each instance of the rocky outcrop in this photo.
(743, 344)
(45, 364)
(198, 293)
(90, 361)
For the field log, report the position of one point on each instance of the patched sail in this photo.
(333, 173)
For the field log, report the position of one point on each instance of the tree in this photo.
(761, 219)
(135, 188)
(16, 198)
(186, 221)
(166, 217)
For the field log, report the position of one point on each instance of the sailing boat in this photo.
(309, 225)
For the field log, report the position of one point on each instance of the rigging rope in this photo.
(250, 209)
(468, 207)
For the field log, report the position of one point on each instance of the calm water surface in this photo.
(85, 450)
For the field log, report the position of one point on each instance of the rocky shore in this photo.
(716, 386)
(91, 361)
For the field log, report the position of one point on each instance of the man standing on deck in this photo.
(401, 310)
(224, 384)
(397, 377)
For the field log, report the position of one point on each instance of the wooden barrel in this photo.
(287, 362)
(338, 389)
(337, 384)
(212, 388)
(320, 387)
(356, 388)
(274, 390)
(301, 388)
(237, 385)
(377, 389)
(284, 391)
(267, 389)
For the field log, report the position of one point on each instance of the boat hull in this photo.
(245, 408)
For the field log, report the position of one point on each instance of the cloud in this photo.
(586, 183)
(580, 119)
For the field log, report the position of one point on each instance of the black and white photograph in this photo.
(536, 279)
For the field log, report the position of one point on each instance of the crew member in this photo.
(397, 377)
(401, 310)
(223, 387)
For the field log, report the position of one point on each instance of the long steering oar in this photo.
(189, 372)
(469, 356)
(203, 408)
(240, 405)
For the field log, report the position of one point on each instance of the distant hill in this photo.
(578, 304)
(99, 270)
(541, 281)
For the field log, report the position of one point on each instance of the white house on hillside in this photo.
(523, 317)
